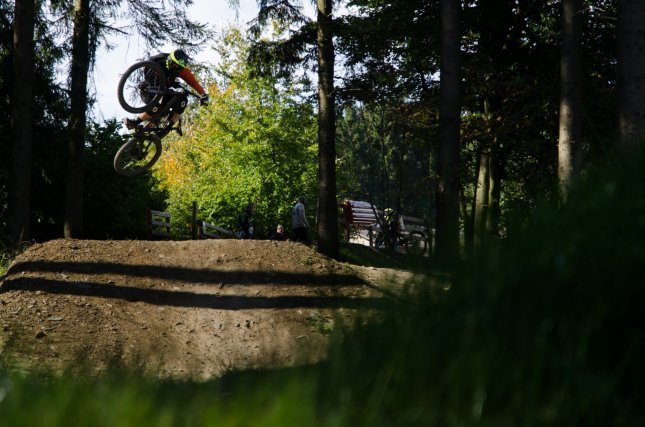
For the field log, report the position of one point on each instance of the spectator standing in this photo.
(279, 233)
(299, 221)
(245, 222)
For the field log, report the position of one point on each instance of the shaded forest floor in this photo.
(179, 309)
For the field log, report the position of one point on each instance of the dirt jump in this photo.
(179, 309)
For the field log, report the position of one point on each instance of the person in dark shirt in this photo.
(245, 222)
(279, 233)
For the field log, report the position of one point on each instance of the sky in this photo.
(110, 65)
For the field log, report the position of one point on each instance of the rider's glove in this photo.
(203, 99)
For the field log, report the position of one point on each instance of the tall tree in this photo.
(449, 121)
(78, 95)
(570, 94)
(22, 122)
(285, 55)
(327, 204)
(631, 73)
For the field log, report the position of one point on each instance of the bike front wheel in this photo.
(416, 243)
(137, 155)
(141, 86)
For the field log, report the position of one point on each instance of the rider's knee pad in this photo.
(154, 108)
(180, 106)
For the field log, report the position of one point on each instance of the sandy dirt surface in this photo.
(184, 310)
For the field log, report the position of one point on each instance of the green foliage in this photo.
(547, 329)
(384, 151)
(117, 401)
(391, 50)
(115, 207)
(254, 143)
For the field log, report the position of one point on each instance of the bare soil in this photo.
(179, 309)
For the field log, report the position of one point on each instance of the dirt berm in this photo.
(178, 309)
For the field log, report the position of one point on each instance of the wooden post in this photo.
(429, 236)
(149, 224)
(193, 231)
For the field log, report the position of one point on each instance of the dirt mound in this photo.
(185, 309)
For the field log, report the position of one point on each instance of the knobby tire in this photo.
(416, 243)
(140, 85)
(137, 155)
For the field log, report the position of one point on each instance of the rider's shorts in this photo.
(178, 101)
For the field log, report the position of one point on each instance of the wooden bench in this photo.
(420, 225)
(206, 230)
(158, 224)
(359, 215)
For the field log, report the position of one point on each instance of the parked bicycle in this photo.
(392, 235)
(142, 88)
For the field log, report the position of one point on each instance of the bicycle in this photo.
(143, 88)
(392, 237)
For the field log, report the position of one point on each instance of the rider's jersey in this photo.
(171, 74)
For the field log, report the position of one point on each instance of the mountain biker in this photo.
(393, 226)
(175, 64)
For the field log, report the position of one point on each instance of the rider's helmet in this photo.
(388, 215)
(177, 59)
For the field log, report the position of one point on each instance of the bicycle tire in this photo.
(415, 243)
(137, 155)
(140, 85)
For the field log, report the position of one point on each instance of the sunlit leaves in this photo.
(253, 143)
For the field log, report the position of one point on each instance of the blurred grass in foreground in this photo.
(545, 329)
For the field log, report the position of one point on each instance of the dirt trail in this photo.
(185, 309)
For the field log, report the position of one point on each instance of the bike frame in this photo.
(164, 111)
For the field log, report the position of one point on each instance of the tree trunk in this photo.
(327, 206)
(495, 190)
(78, 96)
(570, 94)
(482, 194)
(631, 73)
(449, 121)
(22, 122)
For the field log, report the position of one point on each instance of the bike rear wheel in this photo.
(141, 86)
(416, 243)
(137, 155)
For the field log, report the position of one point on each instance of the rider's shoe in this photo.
(131, 123)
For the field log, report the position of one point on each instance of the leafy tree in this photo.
(116, 207)
(510, 91)
(254, 143)
(383, 151)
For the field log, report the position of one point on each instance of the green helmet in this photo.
(178, 57)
